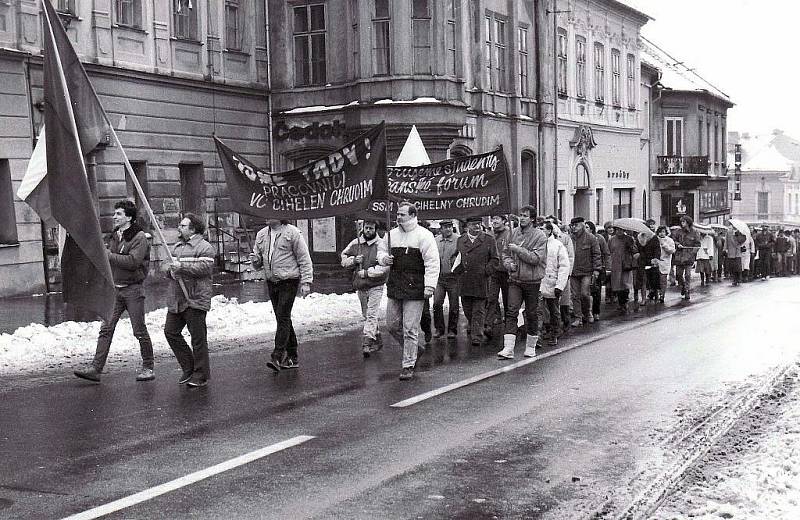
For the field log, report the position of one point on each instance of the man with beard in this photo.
(129, 256)
(361, 255)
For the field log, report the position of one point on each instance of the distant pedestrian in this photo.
(498, 282)
(765, 243)
(281, 250)
(790, 252)
(556, 277)
(524, 259)
(448, 283)
(597, 286)
(781, 249)
(585, 270)
(129, 255)
(663, 262)
(192, 264)
(624, 262)
(705, 258)
(361, 255)
(479, 260)
(413, 274)
(687, 242)
(735, 246)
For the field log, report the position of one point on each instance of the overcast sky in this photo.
(748, 49)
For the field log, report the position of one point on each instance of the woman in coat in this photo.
(624, 261)
(664, 262)
(556, 275)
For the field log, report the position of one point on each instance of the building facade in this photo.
(169, 74)
(602, 134)
(688, 143)
(769, 184)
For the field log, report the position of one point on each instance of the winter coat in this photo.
(781, 244)
(734, 241)
(604, 254)
(290, 257)
(623, 250)
(129, 255)
(479, 260)
(764, 240)
(197, 265)
(748, 253)
(664, 260)
(375, 274)
(416, 261)
(690, 240)
(448, 250)
(706, 251)
(556, 269)
(587, 254)
(526, 265)
(649, 251)
(501, 240)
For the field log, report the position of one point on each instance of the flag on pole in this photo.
(75, 125)
(33, 188)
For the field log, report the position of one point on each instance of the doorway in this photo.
(581, 203)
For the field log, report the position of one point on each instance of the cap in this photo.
(576, 220)
(445, 222)
(474, 219)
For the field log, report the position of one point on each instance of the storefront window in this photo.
(623, 198)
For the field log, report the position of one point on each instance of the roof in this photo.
(773, 152)
(676, 75)
(768, 159)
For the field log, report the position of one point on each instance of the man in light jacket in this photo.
(281, 250)
(413, 273)
(192, 265)
(556, 276)
(361, 255)
(524, 261)
(129, 255)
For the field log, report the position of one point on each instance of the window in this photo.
(184, 17)
(763, 204)
(309, 44)
(421, 33)
(708, 140)
(560, 214)
(599, 73)
(580, 67)
(66, 6)
(450, 36)
(355, 36)
(562, 62)
(623, 198)
(192, 188)
(8, 218)
(381, 41)
(723, 149)
(129, 13)
(615, 78)
(495, 54)
(234, 25)
(716, 143)
(700, 137)
(631, 62)
(599, 204)
(673, 136)
(522, 34)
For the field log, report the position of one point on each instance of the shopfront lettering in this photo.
(315, 130)
(711, 201)
(619, 174)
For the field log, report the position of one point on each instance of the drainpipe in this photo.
(539, 112)
(555, 108)
(269, 86)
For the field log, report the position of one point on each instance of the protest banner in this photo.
(344, 182)
(477, 185)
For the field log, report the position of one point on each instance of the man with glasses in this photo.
(413, 274)
(524, 260)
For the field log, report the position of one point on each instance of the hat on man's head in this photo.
(445, 222)
(576, 220)
(474, 219)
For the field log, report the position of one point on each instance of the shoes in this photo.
(90, 373)
(145, 374)
(596, 317)
(509, 341)
(577, 322)
(187, 375)
(686, 297)
(476, 340)
(274, 364)
(428, 337)
(407, 373)
(438, 334)
(451, 335)
(366, 346)
(590, 319)
(530, 346)
(290, 363)
(378, 343)
(197, 381)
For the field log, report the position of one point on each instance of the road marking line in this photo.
(191, 478)
(508, 368)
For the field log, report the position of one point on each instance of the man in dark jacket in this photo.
(498, 281)
(585, 269)
(192, 266)
(361, 255)
(479, 260)
(687, 242)
(765, 243)
(129, 256)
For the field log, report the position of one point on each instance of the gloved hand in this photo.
(557, 292)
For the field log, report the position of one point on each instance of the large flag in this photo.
(343, 182)
(75, 124)
(33, 188)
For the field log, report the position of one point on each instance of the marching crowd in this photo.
(556, 273)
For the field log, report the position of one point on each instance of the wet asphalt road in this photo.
(519, 445)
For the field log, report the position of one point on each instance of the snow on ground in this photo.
(753, 473)
(36, 348)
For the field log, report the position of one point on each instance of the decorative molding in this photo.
(583, 140)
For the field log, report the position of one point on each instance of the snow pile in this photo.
(759, 480)
(230, 323)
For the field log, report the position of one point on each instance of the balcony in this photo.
(683, 165)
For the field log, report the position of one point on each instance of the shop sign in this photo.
(711, 201)
(313, 131)
(619, 174)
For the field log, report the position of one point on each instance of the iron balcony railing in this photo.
(683, 164)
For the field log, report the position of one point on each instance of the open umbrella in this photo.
(704, 229)
(632, 224)
(740, 226)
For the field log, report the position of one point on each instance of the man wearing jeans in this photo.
(524, 259)
(129, 256)
(585, 269)
(361, 255)
(414, 271)
(282, 252)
